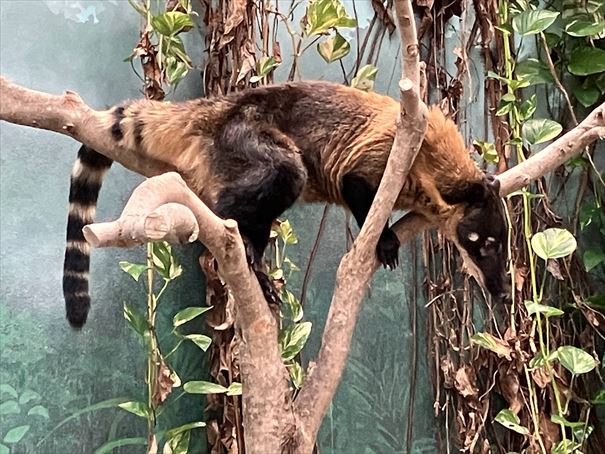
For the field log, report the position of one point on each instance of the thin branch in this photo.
(358, 265)
(557, 153)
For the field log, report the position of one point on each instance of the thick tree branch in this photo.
(68, 114)
(163, 207)
(357, 266)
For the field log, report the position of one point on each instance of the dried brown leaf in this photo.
(553, 268)
(277, 51)
(465, 381)
(163, 384)
(235, 17)
(540, 377)
(521, 273)
(508, 379)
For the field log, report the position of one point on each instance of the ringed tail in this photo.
(85, 183)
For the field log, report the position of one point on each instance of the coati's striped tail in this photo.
(86, 179)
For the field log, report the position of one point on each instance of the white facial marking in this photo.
(490, 239)
(473, 236)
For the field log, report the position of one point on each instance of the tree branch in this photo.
(163, 207)
(358, 265)
(68, 114)
(555, 154)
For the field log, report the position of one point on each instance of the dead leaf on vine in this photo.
(509, 387)
(233, 20)
(540, 376)
(277, 51)
(465, 381)
(520, 276)
(163, 384)
(447, 369)
(553, 268)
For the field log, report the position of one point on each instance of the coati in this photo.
(250, 155)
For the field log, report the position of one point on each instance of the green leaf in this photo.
(5, 388)
(263, 67)
(184, 428)
(586, 60)
(599, 399)
(533, 21)
(136, 408)
(597, 301)
(584, 25)
(533, 71)
(137, 320)
(487, 150)
(188, 314)
(38, 410)
(293, 304)
(576, 360)
(364, 80)
(133, 269)
(540, 130)
(4, 449)
(322, 15)
(171, 23)
(285, 232)
(588, 95)
(200, 340)
(528, 107)
(334, 48)
(593, 258)
(203, 387)
(109, 446)
(297, 374)
(15, 435)
(235, 389)
(498, 346)
(504, 107)
(179, 444)
(553, 243)
(537, 308)
(511, 421)
(565, 447)
(293, 339)
(164, 261)
(10, 407)
(27, 396)
(557, 419)
(175, 70)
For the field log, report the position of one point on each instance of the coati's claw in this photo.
(387, 249)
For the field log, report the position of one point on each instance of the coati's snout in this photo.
(481, 235)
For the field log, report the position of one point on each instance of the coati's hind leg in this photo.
(263, 176)
(359, 195)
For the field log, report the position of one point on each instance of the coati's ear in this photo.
(493, 183)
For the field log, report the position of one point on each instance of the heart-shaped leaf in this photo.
(540, 130)
(553, 243)
(533, 21)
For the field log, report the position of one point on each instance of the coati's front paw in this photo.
(387, 249)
